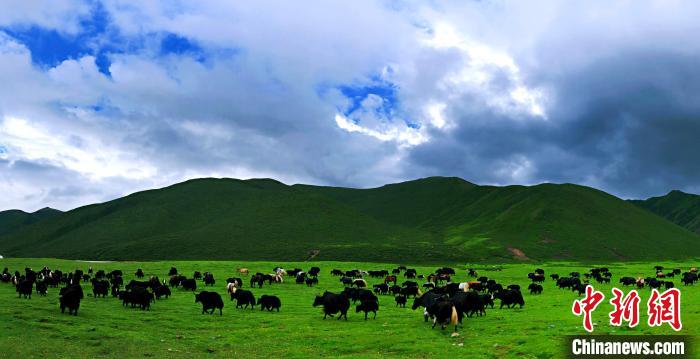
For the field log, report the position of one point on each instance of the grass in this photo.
(429, 220)
(175, 328)
(676, 206)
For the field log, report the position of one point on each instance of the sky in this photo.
(100, 99)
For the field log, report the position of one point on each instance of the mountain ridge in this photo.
(431, 219)
(677, 206)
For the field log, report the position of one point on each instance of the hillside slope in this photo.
(14, 219)
(213, 219)
(429, 220)
(676, 206)
(547, 221)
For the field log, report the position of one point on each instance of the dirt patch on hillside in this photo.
(618, 254)
(518, 253)
(312, 254)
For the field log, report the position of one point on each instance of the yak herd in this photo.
(443, 300)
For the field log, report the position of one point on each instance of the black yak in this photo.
(269, 302)
(210, 302)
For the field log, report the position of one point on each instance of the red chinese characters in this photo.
(665, 308)
(625, 308)
(587, 305)
(662, 308)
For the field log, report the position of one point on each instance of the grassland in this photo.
(175, 328)
(428, 220)
(676, 206)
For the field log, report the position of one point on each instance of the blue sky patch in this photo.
(358, 93)
(175, 44)
(49, 47)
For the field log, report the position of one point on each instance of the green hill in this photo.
(678, 207)
(14, 219)
(429, 220)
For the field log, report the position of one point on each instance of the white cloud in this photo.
(30, 142)
(481, 74)
(62, 15)
(401, 134)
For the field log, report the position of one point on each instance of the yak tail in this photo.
(454, 318)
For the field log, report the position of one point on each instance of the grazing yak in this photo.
(359, 283)
(368, 306)
(269, 302)
(426, 301)
(445, 313)
(137, 296)
(410, 291)
(162, 291)
(25, 288)
(176, 280)
(41, 288)
(243, 271)
(189, 284)
(209, 279)
(294, 272)
(258, 279)
(358, 294)
(654, 284)
(410, 273)
(494, 288)
(535, 288)
(510, 298)
(487, 300)
(568, 282)
(580, 288)
(237, 282)
(337, 273)
(70, 298)
(314, 271)
(244, 298)
(332, 304)
(310, 281)
(689, 278)
(400, 301)
(210, 302)
(381, 288)
(140, 284)
(468, 303)
(100, 287)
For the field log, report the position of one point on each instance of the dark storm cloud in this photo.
(629, 124)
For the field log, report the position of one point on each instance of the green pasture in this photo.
(176, 328)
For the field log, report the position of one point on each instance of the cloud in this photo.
(138, 95)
